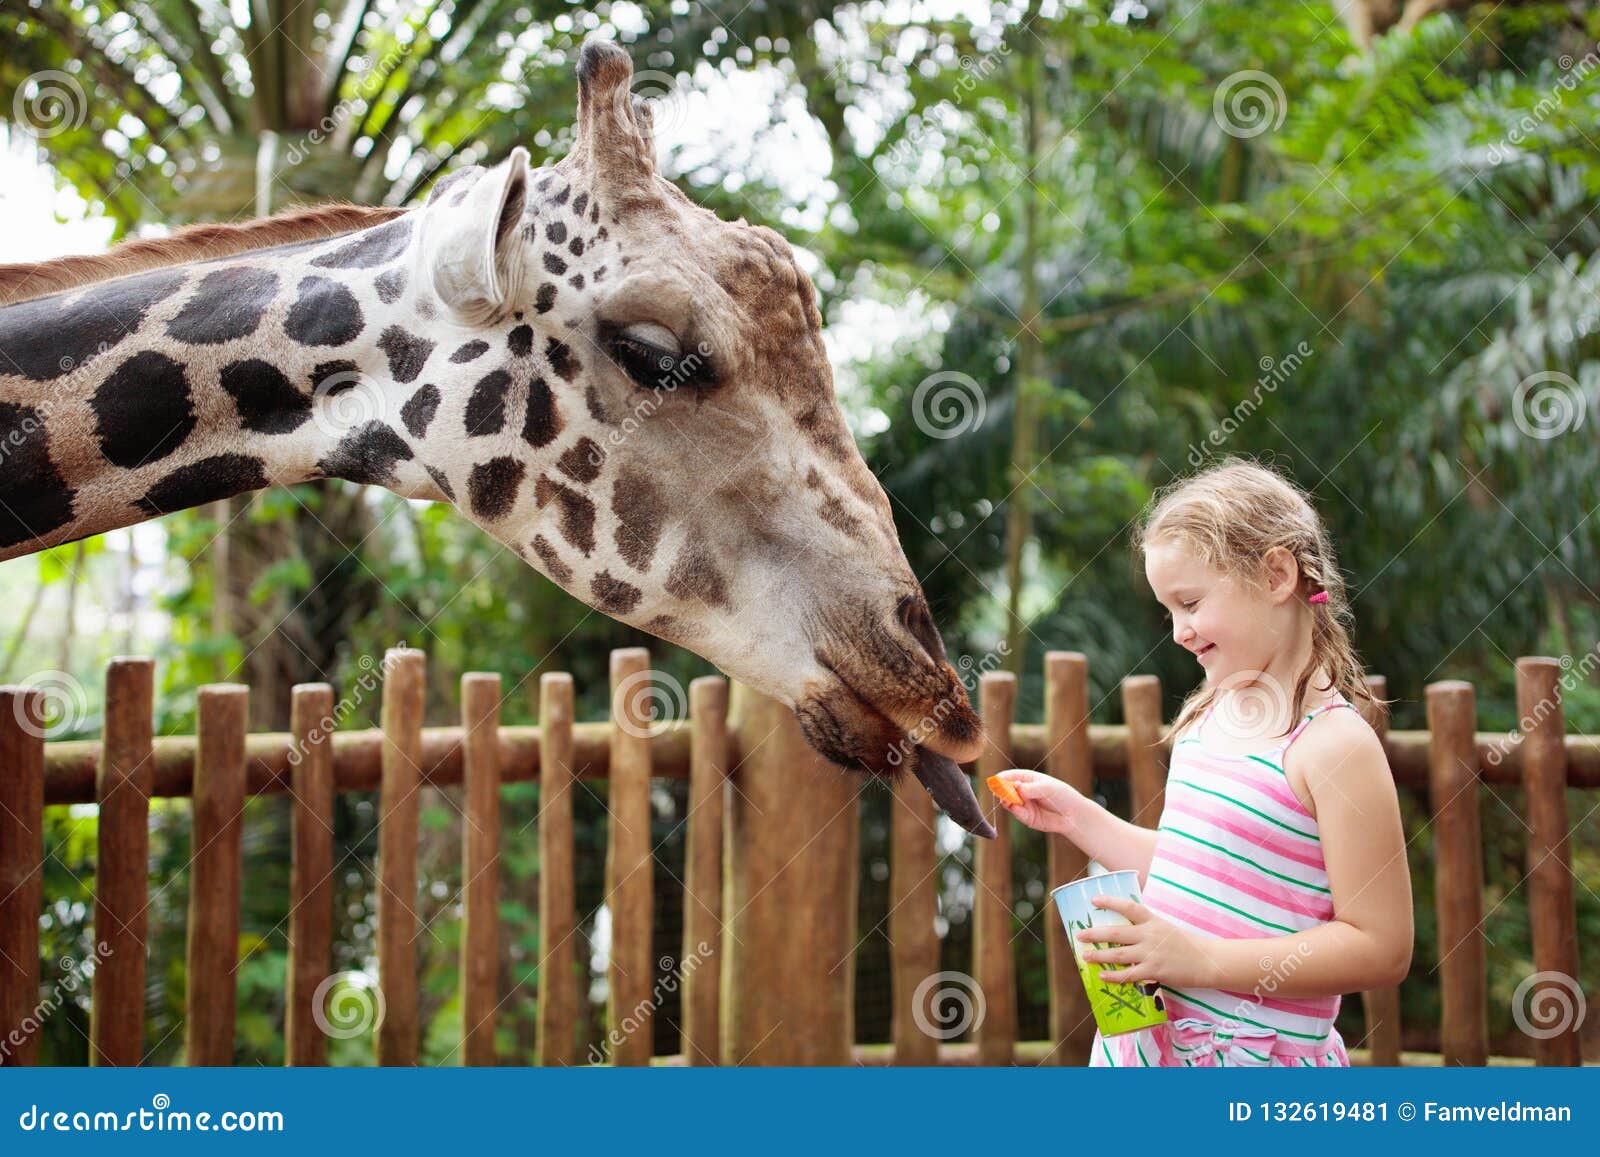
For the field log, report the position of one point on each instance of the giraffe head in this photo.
(646, 413)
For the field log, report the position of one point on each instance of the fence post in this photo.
(792, 850)
(222, 715)
(480, 864)
(1069, 757)
(121, 877)
(1381, 1006)
(1147, 774)
(310, 870)
(404, 687)
(993, 963)
(1551, 909)
(629, 867)
(702, 914)
(22, 731)
(1458, 873)
(557, 1015)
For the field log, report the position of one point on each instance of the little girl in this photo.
(1277, 878)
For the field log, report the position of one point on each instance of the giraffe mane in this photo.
(25, 280)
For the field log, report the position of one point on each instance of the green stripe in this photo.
(1139, 1048)
(1107, 1051)
(1182, 995)
(1245, 806)
(1246, 860)
(1229, 907)
(1264, 1058)
(1270, 764)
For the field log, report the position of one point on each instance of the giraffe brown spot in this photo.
(486, 409)
(580, 203)
(37, 499)
(575, 247)
(370, 248)
(553, 565)
(325, 313)
(442, 482)
(520, 341)
(367, 455)
(641, 509)
(407, 352)
(43, 339)
(582, 460)
(390, 285)
(562, 360)
(219, 476)
(556, 232)
(612, 595)
(577, 512)
(695, 575)
(143, 410)
(597, 407)
(492, 486)
(545, 299)
(835, 514)
(542, 422)
(227, 304)
(267, 401)
(330, 378)
(554, 264)
(576, 281)
(419, 410)
(472, 351)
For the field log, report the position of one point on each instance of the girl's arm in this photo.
(1368, 943)
(1117, 844)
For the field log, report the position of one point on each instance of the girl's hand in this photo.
(1149, 948)
(1046, 801)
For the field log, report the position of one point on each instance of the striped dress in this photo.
(1236, 856)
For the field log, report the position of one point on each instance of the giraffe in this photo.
(630, 392)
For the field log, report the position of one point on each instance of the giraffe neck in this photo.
(168, 389)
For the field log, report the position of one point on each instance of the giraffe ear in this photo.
(473, 259)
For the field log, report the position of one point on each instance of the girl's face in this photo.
(1228, 626)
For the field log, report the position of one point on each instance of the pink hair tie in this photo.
(1319, 597)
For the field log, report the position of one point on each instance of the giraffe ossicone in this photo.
(628, 391)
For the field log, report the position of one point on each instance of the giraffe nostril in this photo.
(914, 616)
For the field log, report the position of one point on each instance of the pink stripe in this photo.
(1225, 871)
(1269, 783)
(1275, 840)
(1317, 1008)
(1174, 903)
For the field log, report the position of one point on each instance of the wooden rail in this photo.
(769, 925)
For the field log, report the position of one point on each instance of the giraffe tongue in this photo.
(952, 791)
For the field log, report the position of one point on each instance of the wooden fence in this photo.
(772, 855)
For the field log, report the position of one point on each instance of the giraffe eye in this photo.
(652, 356)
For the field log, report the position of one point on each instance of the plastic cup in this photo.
(1118, 1007)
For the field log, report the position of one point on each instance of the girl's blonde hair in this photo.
(1229, 516)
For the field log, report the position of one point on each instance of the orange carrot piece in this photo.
(1003, 788)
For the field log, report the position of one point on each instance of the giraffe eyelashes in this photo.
(651, 355)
